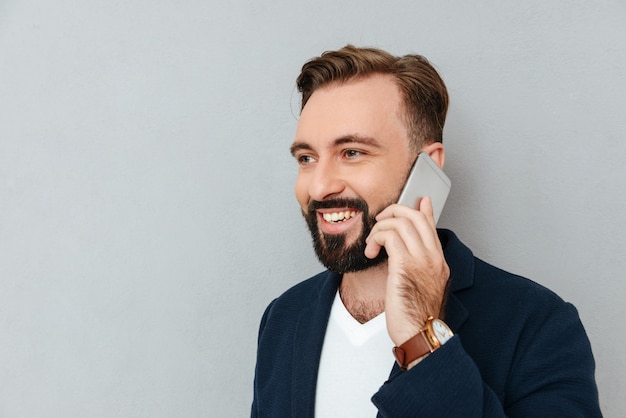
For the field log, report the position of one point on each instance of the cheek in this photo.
(378, 185)
(300, 190)
(382, 192)
(397, 180)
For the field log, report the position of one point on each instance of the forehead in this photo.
(368, 107)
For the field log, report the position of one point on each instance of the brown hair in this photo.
(424, 93)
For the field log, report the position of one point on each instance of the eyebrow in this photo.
(299, 145)
(347, 139)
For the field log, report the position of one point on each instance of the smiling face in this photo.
(353, 152)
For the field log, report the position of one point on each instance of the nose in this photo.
(326, 181)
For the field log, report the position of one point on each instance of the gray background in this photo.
(146, 207)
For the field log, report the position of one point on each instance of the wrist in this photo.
(431, 337)
(416, 362)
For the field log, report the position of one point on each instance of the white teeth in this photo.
(339, 216)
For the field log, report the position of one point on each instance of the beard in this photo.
(331, 249)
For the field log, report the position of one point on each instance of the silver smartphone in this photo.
(426, 179)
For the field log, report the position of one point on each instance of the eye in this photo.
(304, 159)
(352, 153)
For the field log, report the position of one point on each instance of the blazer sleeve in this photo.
(551, 374)
(446, 383)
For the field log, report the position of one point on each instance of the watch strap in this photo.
(412, 349)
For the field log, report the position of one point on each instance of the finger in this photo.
(389, 239)
(394, 211)
(423, 205)
(426, 207)
(423, 221)
(407, 231)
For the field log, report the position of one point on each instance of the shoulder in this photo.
(518, 316)
(472, 277)
(492, 298)
(317, 290)
(507, 283)
(508, 292)
(503, 298)
(308, 290)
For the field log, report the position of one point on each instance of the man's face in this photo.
(352, 148)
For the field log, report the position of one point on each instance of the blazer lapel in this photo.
(461, 262)
(307, 347)
(456, 314)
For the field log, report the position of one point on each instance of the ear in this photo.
(437, 152)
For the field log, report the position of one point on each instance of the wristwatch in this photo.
(434, 334)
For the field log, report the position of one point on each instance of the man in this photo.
(468, 339)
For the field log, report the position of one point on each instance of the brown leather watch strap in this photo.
(414, 348)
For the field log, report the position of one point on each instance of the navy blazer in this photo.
(519, 351)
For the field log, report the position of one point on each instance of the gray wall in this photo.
(146, 208)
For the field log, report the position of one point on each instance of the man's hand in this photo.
(418, 272)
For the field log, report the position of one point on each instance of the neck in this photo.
(363, 292)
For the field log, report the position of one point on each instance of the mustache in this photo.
(358, 204)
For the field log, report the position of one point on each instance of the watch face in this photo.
(441, 331)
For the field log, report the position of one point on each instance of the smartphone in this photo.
(426, 179)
